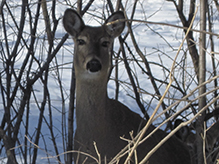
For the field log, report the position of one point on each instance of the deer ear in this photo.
(72, 22)
(114, 25)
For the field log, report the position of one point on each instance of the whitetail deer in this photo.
(99, 118)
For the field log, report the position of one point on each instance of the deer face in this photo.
(92, 52)
(93, 45)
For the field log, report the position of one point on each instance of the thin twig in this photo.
(163, 24)
(98, 154)
(204, 143)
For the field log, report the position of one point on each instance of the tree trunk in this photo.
(202, 70)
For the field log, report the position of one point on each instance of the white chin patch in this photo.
(91, 75)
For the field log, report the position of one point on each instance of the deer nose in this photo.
(94, 65)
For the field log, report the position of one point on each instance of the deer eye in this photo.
(105, 43)
(80, 41)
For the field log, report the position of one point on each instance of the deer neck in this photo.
(91, 101)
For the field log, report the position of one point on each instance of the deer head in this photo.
(93, 45)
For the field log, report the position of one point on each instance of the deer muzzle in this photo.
(94, 65)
